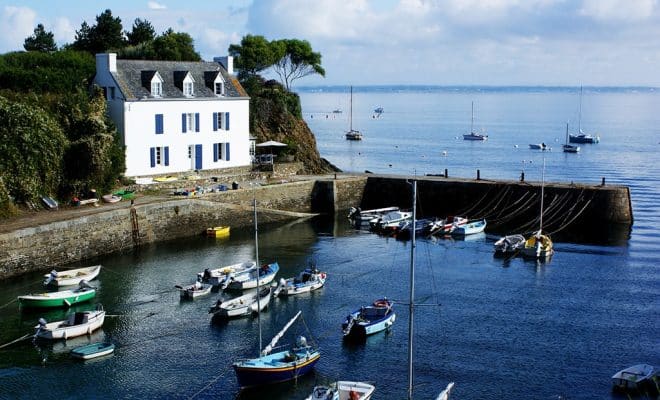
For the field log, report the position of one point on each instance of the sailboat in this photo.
(253, 302)
(582, 137)
(538, 245)
(569, 148)
(352, 134)
(473, 135)
(277, 367)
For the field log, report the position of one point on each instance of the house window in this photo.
(160, 156)
(221, 121)
(220, 88)
(190, 122)
(156, 89)
(188, 89)
(221, 152)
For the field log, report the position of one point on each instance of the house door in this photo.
(198, 156)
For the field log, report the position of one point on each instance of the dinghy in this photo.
(370, 319)
(93, 350)
(78, 324)
(64, 298)
(71, 277)
(308, 280)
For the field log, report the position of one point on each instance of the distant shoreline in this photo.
(476, 89)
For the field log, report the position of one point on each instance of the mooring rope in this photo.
(494, 207)
(532, 201)
(474, 206)
(214, 380)
(574, 218)
(493, 200)
(11, 302)
(26, 336)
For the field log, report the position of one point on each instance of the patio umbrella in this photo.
(270, 144)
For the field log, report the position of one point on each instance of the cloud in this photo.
(156, 6)
(63, 31)
(16, 24)
(618, 10)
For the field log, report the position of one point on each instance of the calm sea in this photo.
(498, 329)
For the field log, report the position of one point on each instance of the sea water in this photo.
(497, 328)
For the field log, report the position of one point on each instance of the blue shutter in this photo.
(196, 122)
(167, 155)
(183, 123)
(227, 121)
(215, 152)
(215, 122)
(153, 157)
(159, 123)
(227, 155)
(198, 156)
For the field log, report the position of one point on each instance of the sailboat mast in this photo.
(412, 290)
(256, 250)
(542, 187)
(472, 119)
(580, 113)
(350, 113)
(566, 133)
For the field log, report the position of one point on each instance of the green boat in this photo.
(125, 194)
(64, 298)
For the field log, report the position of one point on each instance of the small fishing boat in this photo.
(444, 227)
(277, 367)
(538, 246)
(634, 378)
(343, 390)
(390, 220)
(508, 246)
(248, 278)
(64, 298)
(218, 231)
(197, 289)
(370, 319)
(469, 228)
(243, 305)
(93, 350)
(422, 227)
(71, 277)
(220, 276)
(539, 146)
(77, 324)
(364, 216)
(111, 198)
(308, 280)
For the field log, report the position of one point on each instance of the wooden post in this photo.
(522, 176)
(603, 182)
(478, 175)
(445, 172)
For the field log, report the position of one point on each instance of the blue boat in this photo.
(470, 228)
(93, 350)
(369, 319)
(248, 279)
(277, 367)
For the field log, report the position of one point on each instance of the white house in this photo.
(176, 116)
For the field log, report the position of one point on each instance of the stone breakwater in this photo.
(578, 211)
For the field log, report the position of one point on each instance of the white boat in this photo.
(509, 245)
(582, 137)
(220, 276)
(77, 324)
(243, 305)
(539, 146)
(195, 290)
(352, 134)
(470, 228)
(473, 135)
(445, 226)
(343, 390)
(391, 219)
(633, 378)
(249, 279)
(569, 148)
(71, 277)
(362, 216)
(308, 280)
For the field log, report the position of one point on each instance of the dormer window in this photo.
(219, 88)
(156, 88)
(188, 89)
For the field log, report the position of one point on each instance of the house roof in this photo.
(131, 77)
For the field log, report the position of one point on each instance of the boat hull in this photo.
(93, 350)
(44, 301)
(72, 277)
(239, 283)
(58, 330)
(250, 373)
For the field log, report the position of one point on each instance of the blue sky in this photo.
(372, 42)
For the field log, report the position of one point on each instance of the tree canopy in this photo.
(106, 34)
(290, 59)
(142, 32)
(175, 46)
(40, 41)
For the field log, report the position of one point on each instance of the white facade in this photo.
(174, 134)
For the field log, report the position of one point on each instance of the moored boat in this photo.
(77, 324)
(370, 319)
(220, 276)
(509, 245)
(93, 350)
(390, 220)
(569, 148)
(218, 231)
(71, 277)
(277, 367)
(343, 390)
(444, 227)
(352, 134)
(634, 378)
(473, 135)
(111, 198)
(197, 289)
(469, 228)
(538, 246)
(244, 305)
(364, 216)
(308, 280)
(249, 278)
(64, 298)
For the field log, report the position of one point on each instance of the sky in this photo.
(399, 42)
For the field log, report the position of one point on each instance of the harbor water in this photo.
(498, 328)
